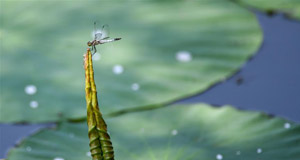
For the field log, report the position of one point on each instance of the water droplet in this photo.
(135, 86)
(28, 148)
(219, 156)
(238, 152)
(88, 154)
(58, 158)
(33, 104)
(183, 56)
(118, 69)
(30, 89)
(259, 150)
(287, 125)
(96, 56)
(174, 132)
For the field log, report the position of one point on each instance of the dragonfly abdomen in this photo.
(108, 40)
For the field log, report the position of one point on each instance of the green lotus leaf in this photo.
(290, 7)
(168, 51)
(184, 132)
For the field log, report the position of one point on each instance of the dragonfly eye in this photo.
(89, 43)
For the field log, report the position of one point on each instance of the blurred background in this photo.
(268, 82)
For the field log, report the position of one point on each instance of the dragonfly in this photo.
(100, 37)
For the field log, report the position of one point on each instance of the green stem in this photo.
(100, 144)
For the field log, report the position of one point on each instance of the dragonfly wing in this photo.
(98, 36)
(105, 32)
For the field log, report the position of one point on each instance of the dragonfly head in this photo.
(89, 43)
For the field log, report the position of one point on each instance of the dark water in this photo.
(269, 82)
(12, 134)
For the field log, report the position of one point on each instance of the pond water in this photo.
(269, 82)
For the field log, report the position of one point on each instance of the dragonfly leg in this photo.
(92, 48)
(95, 50)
